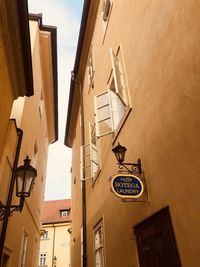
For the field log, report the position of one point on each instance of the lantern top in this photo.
(25, 177)
(119, 152)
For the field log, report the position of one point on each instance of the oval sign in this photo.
(127, 186)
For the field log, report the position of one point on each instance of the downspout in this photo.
(53, 245)
(83, 174)
(10, 193)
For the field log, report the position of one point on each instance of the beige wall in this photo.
(6, 99)
(31, 118)
(160, 47)
(14, 77)
(57, 244)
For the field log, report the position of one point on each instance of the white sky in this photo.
(65, 15)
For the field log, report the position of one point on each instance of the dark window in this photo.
(156, 242)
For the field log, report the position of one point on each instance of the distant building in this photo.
(55, 234)
(136, 81)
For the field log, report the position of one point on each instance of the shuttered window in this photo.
(90, 155)
(94, 150)
(119, 77)
(112, 105)
(103, 114)
(90, 70)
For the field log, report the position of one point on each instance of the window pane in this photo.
(105, 127)
(103, 113)
(98, 245)
(99, 258)
(98, 238)
(118, 109)
(102, 100)
(119, 77)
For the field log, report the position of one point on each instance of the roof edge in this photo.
(56, 222)
(22, 7)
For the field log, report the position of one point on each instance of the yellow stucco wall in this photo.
(6, 99)
(159, 41)
(30, 116)
(57, 244)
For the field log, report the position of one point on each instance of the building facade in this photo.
(31, 128)
(135, 82)
(55, 239)
(15, 60)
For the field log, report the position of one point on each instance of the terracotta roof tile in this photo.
(52, 211)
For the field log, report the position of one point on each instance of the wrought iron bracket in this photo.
(134, 168)
(6, 211)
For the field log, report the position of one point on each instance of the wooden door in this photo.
(156, 242)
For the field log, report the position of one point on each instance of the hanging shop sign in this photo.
(127, 186)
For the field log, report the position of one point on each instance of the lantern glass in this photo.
(119, 152)
(25, 176)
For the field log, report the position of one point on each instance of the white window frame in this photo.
(24, 241)
(94, 151)
(83, 166)
(91, 71)
(117, 103)
(99, 244)
(43, 259)
(107, 118)
(92, 156)
(118, 69)
(45, 235)
(65, 213)
(105, 13)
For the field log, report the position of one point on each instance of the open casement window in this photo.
(112, 105)
(23, 248)
(90, 70)
(90, 155)
(103, 114)
(85, 162)
(119, 87)
(109, 111)
(106, 9)
(94, 150)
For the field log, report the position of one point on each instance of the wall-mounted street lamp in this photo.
(120, 152)
(25, 176)
(54, 261)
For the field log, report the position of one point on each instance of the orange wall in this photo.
(27, 112)
(160, 46)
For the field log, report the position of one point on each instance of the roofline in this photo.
(53, 31)
(23, 18)
(82, 31)
(56, 222)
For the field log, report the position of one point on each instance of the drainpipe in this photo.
(83, 174)
(53, 245)
(10, 193)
